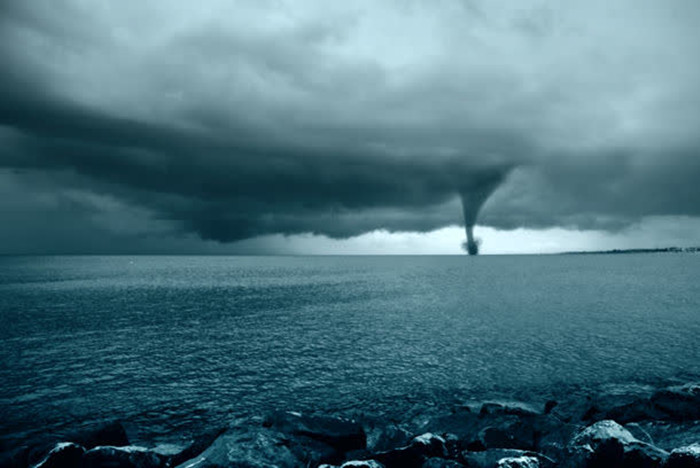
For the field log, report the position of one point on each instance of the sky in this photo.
(358, 127)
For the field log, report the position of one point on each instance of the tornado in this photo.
(474, 192)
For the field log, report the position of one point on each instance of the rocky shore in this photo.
(649, 428)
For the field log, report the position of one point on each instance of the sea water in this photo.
(174, 345)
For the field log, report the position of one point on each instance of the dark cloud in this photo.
(231, 121)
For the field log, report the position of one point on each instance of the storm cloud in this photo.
(231, 120)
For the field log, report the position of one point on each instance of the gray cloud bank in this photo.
(230, 120)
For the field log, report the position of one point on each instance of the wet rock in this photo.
(431, 445)
(684, 457)
(386, 437)
(63, 455)
(608, 444)
(413, 455)
(122, 457)
(512, 434)
(441, 463)
(492, 457)
(356, 464)
(514, 408)
(678, 403)
(111, 434)
(249, 448)
(549, 406)
(639, 432)
(17, 458)
(195, 448)
(341, 434)
(519, 462)
(495, 425)
(553, 436)
(669, 435)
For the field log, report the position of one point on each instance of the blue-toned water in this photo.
(175, 344)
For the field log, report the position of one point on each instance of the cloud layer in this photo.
(231, 120)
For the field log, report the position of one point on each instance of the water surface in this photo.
(174, 344)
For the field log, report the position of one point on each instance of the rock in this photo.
(512, 434)
(549, 406)
(413, 455)
(432, 445)
(608, 444)
(678, 403)
(122, 457)
(63, 455)
(441, 463)
(669, 435)
(494, 426)
(249, 448)
(110, 434)
(195, 448)
(684, 457)
(341, 434)
(356, 464)
(519, 462)
(386, 437)
(492, 457)
(639, 432)
(514, 408)
(17, 458)
(602, 431)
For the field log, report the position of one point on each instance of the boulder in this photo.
(197, 446)
(684, 457)
(122, 457)
(492, 457)
(495, 425)
(356, 464)
(63, 455)
(514, 408)
(509, 434)
(111, 434)
(608, 444)
(431, 445)
(342, 435)
(678, 403)
(362, 464)
(381, 438)
(249, 448)
(441, 463)
(414, 454)
(519, 462)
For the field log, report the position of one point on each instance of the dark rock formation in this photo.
(441, 463)
(122, 457)
(414, 454)
(356, 464)
(196, 447)
(684, 457)
(608, 444)
(568, 433)
(63, 455)
(340, 434)
(381, 438)
(112, 434)
(493, 457)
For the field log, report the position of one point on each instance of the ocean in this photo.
(172, 345)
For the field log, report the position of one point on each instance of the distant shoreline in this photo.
(635, 251)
